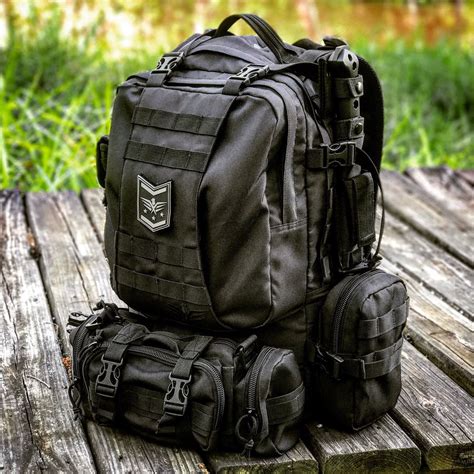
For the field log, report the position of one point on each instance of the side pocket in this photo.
(271, 405)
(101, 152)
(355, 220)
(356, 371)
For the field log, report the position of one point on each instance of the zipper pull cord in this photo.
(252, 427)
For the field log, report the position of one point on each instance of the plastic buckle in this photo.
(176, 398)
(108, 378)
(338, 154)
(250, 73)
(168, 62)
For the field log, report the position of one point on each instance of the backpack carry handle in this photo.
(264, 31)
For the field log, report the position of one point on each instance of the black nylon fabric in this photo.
(213, 380)
(363, 381)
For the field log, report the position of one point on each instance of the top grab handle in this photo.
(265, 32)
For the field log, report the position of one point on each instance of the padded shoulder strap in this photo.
(373, 112)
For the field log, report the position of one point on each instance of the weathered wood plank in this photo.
(37, 431)
(92, 199)
(406, 201)
(298, 459)
(449, 190)
(76, 277)
(467, 175)
(381, 447)
(429, 264)
(436, 413)
(439, 331)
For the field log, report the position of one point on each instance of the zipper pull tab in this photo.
(249, 423)
(75, 396)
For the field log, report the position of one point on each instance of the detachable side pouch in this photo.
(354, 220)
(358, 351)
(101, 151)
(269, 404)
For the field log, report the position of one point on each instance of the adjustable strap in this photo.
(370, 366)
(347, 87)
(286, 407)
(176, 398)
(107, 381)
(370, 328)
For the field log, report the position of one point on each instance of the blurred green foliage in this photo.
(56, 93)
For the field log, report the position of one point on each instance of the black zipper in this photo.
(253, 415)
(346, 292)
(169, 359)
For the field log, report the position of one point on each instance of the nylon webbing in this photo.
(370, 328)
(372, 365)
(286, 407)
(161, 287)
(162, 253)
(189, 123)
(346, 87)
(364, 208)
(169, 157)
(108, 380)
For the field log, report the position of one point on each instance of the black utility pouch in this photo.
(183, 389)
(102, 149)
(355, 220)
(270, 403)
(356, 372)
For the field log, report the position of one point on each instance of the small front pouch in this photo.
(269, 404)
(357, 355)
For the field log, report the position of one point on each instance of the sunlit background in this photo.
(61, 61)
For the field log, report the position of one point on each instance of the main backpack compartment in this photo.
(206, 197)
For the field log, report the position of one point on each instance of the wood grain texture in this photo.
(37, 431)
(449, 190)
(76, 276)
(439, 331)
(436, 413)
(429, 264)
(381, 447)
(422, 212)
(93, 202)
(299, 459)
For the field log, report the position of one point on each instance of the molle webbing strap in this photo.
(107, 381)
(286, 407)
(169, 157)
(158, 286)
(370, 328)
(190, 123)
(369, 366)
(363, 194)
(162, 253)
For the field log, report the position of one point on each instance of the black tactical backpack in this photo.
(240, 181)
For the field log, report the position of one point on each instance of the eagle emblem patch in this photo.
(153, 204)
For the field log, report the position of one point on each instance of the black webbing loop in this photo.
(176, 398)
(365, 161)
(265, 32)
(107, 381)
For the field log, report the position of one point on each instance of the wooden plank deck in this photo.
(52, 262)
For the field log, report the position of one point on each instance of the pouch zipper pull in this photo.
(250, 418)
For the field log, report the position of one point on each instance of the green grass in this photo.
(56, 95)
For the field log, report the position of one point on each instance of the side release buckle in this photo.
(108, 378)
(176, 398)
(168, 62)
(250, 73)
(329, 156)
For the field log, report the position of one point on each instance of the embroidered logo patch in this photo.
(153, 204)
